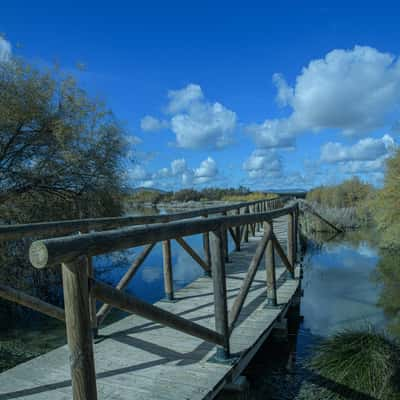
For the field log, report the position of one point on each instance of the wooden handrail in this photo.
(14, 232)
(34, 303)
(54, 251)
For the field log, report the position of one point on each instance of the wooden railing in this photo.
(59, 228)
(81, 290)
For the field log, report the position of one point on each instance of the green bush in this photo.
(353, 364)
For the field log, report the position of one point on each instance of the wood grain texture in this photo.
(79, 334)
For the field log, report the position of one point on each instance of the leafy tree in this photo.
(61, 156)
(386, 207)
(60, 152)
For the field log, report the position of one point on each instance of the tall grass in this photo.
(344, 218)
(357, 364)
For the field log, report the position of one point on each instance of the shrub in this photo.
(356, 363)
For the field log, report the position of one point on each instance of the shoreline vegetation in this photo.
(191, 198)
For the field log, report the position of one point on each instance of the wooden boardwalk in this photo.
(138, 359)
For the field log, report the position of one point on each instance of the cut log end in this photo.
(38, 254)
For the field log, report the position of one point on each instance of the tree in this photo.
(61, 156)
(56, 147)
(387, 204)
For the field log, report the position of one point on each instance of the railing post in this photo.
(270, 266)
(253, 226)
(290, 242)
(219, 284)
(92, 299)
(79, 335)
(225, 240)
(206, 249)
(168, 279)
(237, 233)
(296, 231)
(257, 210)
(246, 227)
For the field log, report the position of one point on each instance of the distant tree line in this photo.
(208, 194)
(380, 207)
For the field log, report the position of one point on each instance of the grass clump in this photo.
(357, 364)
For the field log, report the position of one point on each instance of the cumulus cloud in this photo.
(152, 124)
(262, 165)
(138, 173)
(178, 166)
(182, 99)
(133, 140)
(354, 91)
(367, 167)
(206, 171)
(364, 150)
(285, 93)
(5, 49)
(273, 133)
(197, 123)
(179, 173)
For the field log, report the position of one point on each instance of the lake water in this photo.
(347, 283)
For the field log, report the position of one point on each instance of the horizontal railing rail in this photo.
(50, 252)
(18, 231)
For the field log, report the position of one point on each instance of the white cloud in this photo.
(151, 124)
(204, 125)
(285, 92)
(197, 123)
(133, 140)
(5, 49)
(354, 91)
(162, 173)
(178, 166)
(368, 149)
(263, 165)
(275, 133)
(138, 172)
(206, 171)
(182, 99)
(358, 167)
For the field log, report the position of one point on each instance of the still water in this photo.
(347, 283)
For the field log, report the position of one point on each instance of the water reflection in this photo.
(338, 285)
(348, 282)
(388, 275)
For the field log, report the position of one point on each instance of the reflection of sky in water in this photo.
(148, 283)
(338, 289)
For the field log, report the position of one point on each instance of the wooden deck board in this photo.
(139, 359)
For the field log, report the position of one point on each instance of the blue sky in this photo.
(231, 93)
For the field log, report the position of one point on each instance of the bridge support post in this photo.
(168, 279)
(270, 267)
(219, 286)
(78, 324)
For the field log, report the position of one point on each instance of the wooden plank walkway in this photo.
(138, 359)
